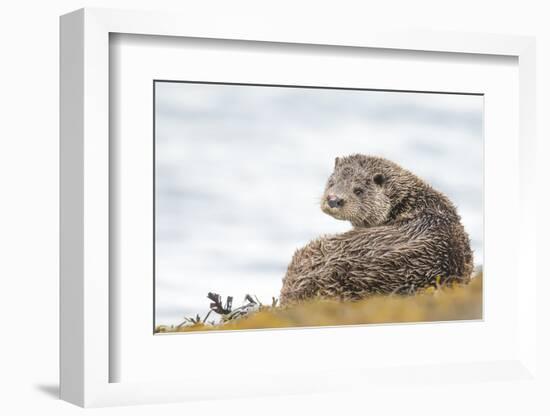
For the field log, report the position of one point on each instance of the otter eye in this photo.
(358, 191)
(379, 179)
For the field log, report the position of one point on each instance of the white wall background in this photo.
(29, 208)
(240, 171)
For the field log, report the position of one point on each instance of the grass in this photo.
(458, 302)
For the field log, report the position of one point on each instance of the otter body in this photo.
(406, 236)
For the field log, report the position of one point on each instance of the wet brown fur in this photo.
(406, 236)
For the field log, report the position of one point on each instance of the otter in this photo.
(406, 236)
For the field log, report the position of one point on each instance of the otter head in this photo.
(356, 191)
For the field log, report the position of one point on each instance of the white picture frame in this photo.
(86, 265)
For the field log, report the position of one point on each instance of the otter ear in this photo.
(379, 179)
(336, 162)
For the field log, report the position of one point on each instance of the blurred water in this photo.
(240, 170)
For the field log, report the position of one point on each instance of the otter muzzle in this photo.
(334, 202)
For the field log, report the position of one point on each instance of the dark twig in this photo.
(217, 306)
(249, 299)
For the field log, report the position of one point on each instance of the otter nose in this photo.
(333, 201)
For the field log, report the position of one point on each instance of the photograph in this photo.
(288, 206)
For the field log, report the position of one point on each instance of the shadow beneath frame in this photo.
(51, 390)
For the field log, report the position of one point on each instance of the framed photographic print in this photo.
(262, 199)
